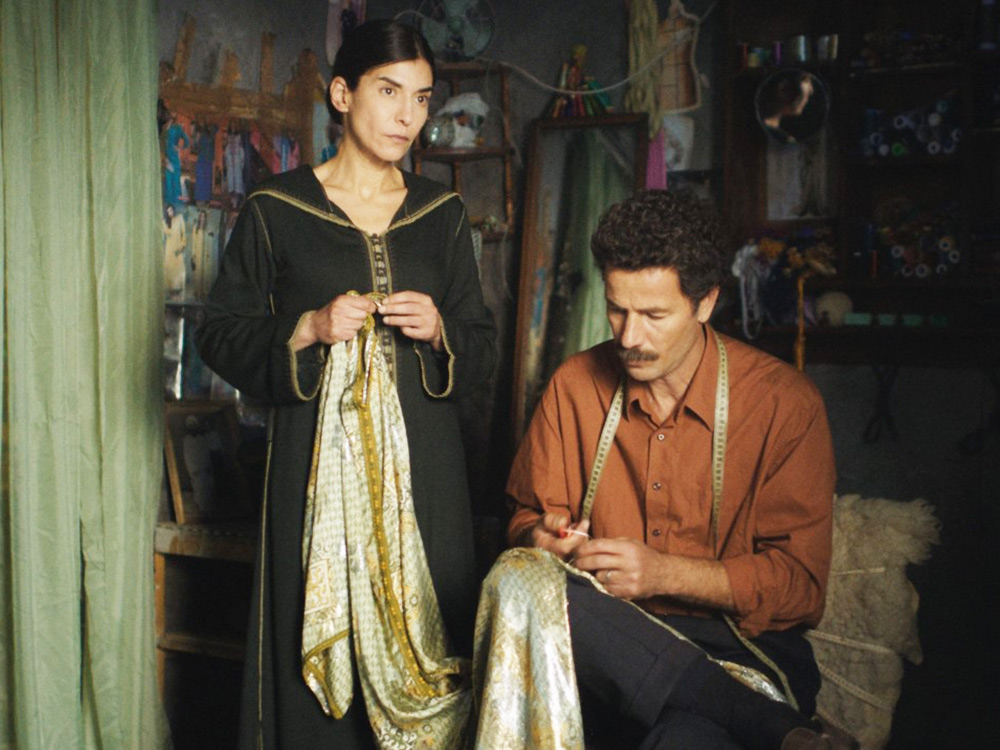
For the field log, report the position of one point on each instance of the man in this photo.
(690, 413)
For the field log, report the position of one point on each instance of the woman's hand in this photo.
(340, 320)
(415, 314)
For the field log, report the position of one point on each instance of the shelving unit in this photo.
(203, 575)
(456, 75)
(966, 295)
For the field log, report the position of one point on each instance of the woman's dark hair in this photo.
(663, 229)
(379, 42)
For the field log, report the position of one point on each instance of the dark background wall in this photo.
(944, 702)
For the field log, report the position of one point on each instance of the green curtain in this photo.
(597, 180)
(81, 317)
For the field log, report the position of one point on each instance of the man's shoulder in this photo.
(755, 374)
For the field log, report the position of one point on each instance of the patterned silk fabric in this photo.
(524, 673)
(524, 677)
(369, 595)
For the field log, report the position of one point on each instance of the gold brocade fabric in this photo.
(524, 677)
(523, 663)
(369, 596)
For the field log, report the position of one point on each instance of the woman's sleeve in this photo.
(467, 329)
(242, 338)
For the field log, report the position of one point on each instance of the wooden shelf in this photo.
(451, 155)
(235, 542)
(218, 646)
(455, 74)
(932, 68)
(950, 161)
(875, 345)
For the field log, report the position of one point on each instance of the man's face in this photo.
(654, 325)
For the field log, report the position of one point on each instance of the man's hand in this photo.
(627, 568)
(415, 314)
(554, 532)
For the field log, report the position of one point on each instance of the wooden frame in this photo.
(544, 215)
(204, 476)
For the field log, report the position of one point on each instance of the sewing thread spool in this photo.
(941, 269)
(933, 148)
(799, 48)
(921, 270)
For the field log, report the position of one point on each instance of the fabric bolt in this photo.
(776, 509)
(81, 310)
(292, 251)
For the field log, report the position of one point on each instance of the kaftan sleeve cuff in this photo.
(437, 369)
(303, 368)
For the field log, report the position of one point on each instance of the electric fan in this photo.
(457, 30)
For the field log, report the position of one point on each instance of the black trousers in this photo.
(628, 668)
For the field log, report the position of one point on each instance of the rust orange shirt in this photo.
(775, 520)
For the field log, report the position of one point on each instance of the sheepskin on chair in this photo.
(870, 623)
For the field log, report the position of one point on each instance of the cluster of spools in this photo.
(899, 49)
(930, 130)
(914, 243)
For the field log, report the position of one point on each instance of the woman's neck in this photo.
(358, 173)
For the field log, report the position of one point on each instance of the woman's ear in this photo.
(340, 95)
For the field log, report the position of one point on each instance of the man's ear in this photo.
(340, 95)
(707, 304)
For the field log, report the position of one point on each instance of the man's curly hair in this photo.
(660, 228)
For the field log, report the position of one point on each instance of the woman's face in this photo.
(388, 108)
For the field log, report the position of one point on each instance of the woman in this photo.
(302, 241)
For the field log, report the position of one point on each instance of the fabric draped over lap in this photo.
(523, 672)
(369, 597)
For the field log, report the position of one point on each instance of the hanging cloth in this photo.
(370, 604)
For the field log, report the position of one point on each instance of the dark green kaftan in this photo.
(291, 251)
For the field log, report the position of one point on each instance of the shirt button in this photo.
(661, 437)
(656, 485)
(656, 532)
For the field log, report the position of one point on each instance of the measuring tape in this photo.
(719, 436)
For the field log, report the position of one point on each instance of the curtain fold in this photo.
(81, 316)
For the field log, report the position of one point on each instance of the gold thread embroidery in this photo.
(451, 366)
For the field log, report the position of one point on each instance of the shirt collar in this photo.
(699, 399)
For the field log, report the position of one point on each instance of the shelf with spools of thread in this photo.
(932, 129)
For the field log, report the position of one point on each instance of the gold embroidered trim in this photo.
(451, 366)
(333, 218)
(293, 357)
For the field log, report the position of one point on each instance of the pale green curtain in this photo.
(81, 317)
(597, 180)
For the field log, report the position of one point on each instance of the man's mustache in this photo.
(635, 354)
